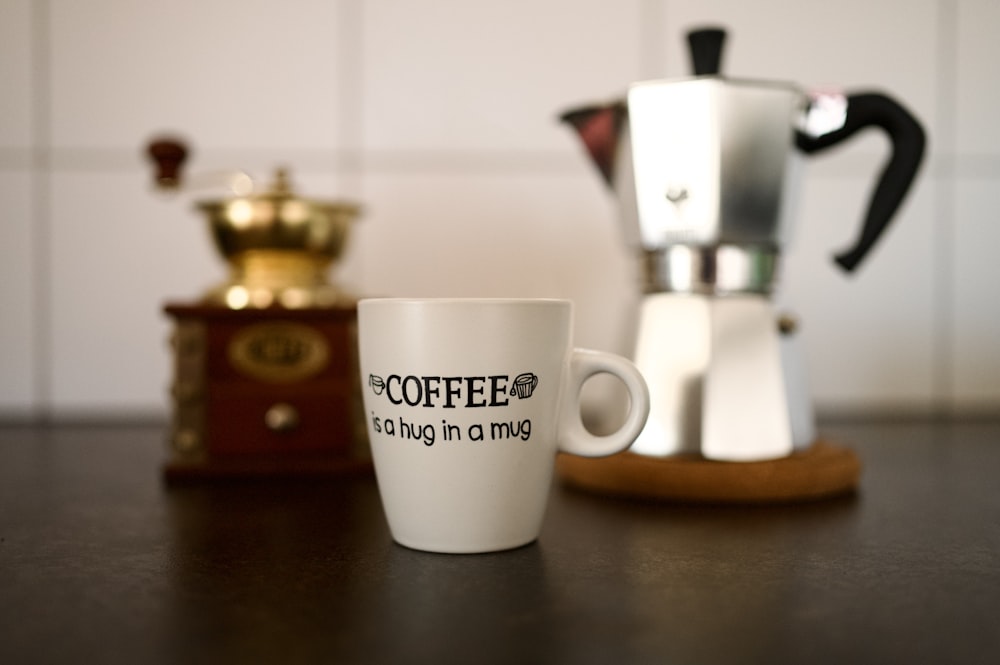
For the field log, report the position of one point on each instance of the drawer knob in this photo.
(281, 417)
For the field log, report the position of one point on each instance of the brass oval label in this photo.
(281, 351)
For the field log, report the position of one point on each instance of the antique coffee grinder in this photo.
(265, 369)
(705, 170)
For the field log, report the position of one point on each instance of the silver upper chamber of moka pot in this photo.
(705, 171)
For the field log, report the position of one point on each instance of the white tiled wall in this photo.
(439, 116)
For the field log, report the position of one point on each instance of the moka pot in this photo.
(705, 170)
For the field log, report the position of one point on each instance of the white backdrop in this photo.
(439, 116)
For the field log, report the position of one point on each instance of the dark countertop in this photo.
(100, 562)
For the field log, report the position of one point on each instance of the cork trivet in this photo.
(823, 470)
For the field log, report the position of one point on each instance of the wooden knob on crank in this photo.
(168, 155)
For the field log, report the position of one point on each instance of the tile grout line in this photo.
(651, 52)
(114, 160)
(943, 304)
(350, 131)
(350, 138)
(41, 216)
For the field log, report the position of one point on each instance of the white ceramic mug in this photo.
(467, 402)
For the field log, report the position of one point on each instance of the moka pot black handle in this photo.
(873, 109)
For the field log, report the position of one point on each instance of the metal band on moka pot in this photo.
(719, 270)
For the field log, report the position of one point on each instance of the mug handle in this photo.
(573, 436)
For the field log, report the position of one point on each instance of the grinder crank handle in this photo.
(870, 109)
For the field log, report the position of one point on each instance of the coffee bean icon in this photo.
(376, 382)
(524, 385)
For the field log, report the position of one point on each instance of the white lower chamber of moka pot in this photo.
(730, 418)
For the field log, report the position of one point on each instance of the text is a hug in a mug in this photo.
(451, 392)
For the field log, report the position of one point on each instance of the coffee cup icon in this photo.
(377, 383)
(524, 385)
